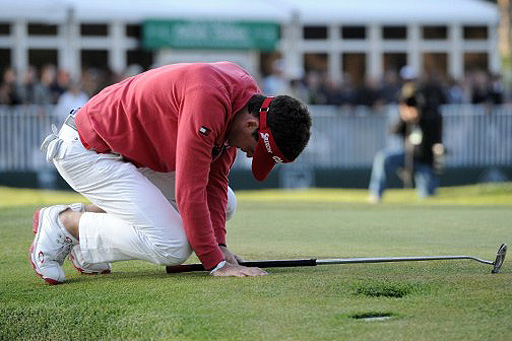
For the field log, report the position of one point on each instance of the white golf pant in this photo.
(142, 221)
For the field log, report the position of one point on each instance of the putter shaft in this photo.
(396, 259)
(500, 257)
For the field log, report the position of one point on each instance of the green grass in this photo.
(442, 300)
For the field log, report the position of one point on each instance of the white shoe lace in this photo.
(64, 249)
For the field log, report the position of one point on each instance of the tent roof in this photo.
(306, 11)
(136, 10)
(395, 11)
(34, 10)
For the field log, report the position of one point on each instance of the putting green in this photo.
(435, 300)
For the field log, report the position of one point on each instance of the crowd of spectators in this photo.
(478, 87)
(56, 87)
(52, 86)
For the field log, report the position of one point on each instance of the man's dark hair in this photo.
(288, 119)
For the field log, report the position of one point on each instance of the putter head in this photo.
(500, 257)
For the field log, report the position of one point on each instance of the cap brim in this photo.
(262, 162)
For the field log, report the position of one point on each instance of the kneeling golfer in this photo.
(152, 154)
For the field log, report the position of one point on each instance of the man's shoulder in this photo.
(222, 75)
(221, 69)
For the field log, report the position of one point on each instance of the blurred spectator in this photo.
(50, 82)
(332, 92)
(299, 89)
(314, 84)
(276, 82)
(433, 92)
(32, 91)
(74, 98)
(347, 91)
(9, 88)
(132, 70)
(455, 92)
(94, 80)
(368, 94)
(63, 80)
(496, 90)
(390, 89)
(420, 126)
(478, 88)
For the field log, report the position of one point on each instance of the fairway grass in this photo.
(440, 300)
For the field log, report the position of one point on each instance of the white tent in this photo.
(393, 11)
(51, 11)
(137, 11)
(306, 11)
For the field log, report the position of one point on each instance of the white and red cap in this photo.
(266, 154)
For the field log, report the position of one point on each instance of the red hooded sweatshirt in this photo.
(175, 118)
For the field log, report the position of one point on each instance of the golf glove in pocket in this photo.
(51, 144)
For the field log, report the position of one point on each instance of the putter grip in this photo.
(257, 263)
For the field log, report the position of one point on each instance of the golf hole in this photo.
(372, 316)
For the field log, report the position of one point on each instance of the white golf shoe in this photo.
(76, 258)
(51, 244)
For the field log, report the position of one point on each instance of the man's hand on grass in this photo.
(239, 271)
(233, 268)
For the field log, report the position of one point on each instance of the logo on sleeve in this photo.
(204, 131)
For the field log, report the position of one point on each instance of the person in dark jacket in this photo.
(9, 88)
(420, 126)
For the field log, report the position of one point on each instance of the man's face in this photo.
(244, 139)
(244, 134)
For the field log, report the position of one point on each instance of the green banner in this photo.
(222, 35)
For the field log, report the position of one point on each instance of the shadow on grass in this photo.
(133, 275)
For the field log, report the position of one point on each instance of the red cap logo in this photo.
(266, 154)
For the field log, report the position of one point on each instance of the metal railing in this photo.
(22, 129)
(477, 135)
(342, 137)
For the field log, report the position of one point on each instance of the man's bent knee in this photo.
(173, 255)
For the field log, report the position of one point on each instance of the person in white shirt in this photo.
(73, 98)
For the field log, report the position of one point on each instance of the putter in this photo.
(498, 262)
